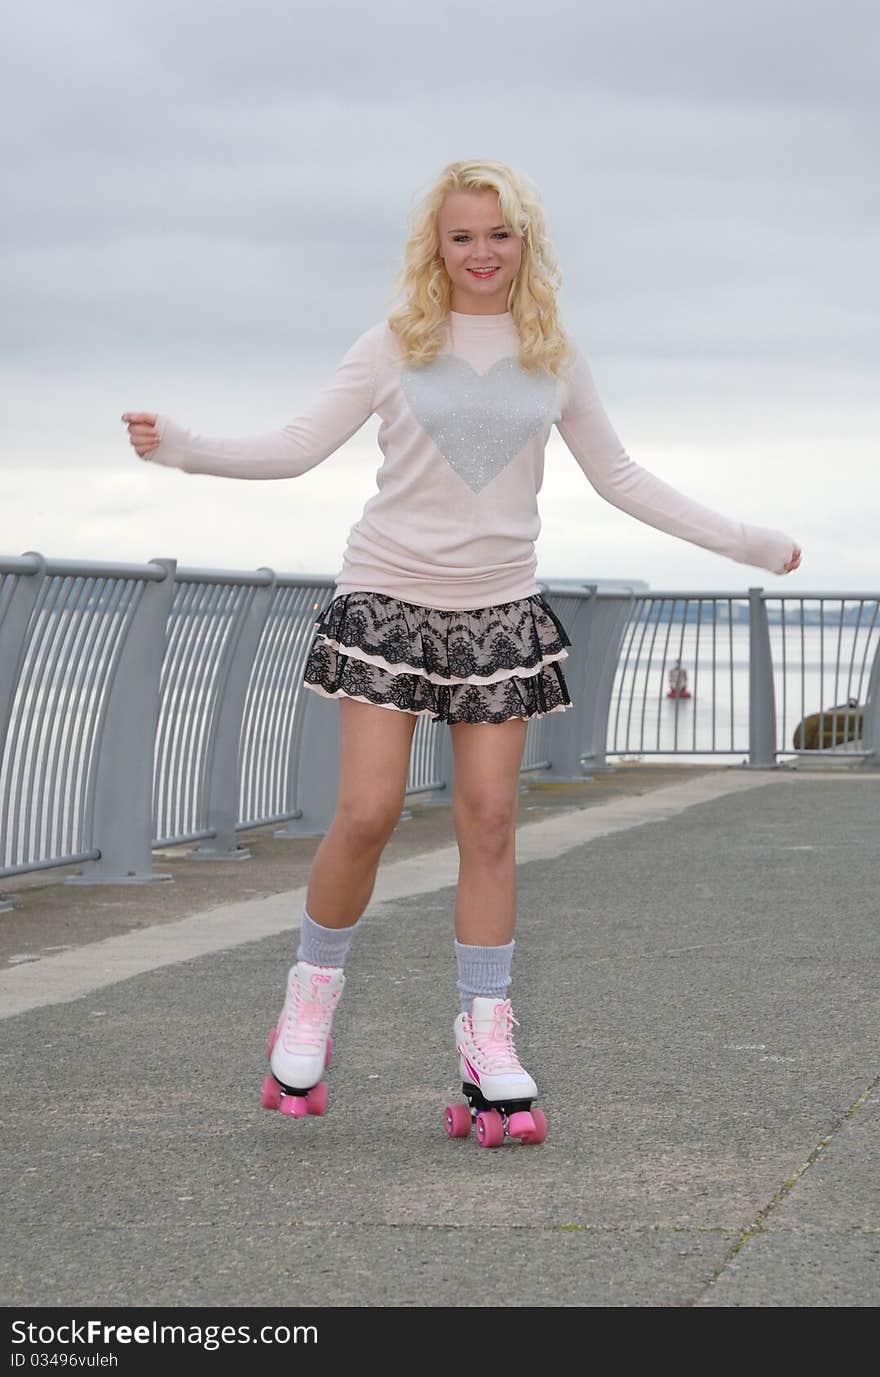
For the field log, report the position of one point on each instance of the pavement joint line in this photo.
(68, 975)
(421, 1225)
(662, 952)
(249, 1221)
(784, 1191)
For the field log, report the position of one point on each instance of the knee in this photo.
(367, 824)
(486, 828)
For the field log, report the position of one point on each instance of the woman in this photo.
(436, 609)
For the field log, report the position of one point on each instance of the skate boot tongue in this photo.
(494, 1050)
(308, 1012)
(491, 1017)
(492, 1021)
(316, 982)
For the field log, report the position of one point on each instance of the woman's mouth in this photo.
(482, 272)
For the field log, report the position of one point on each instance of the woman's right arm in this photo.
(340, 409)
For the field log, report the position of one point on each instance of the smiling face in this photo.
(472, 236)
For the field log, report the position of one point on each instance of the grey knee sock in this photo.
(482, 971)
(322, 946)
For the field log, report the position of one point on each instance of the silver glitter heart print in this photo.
(478, 422)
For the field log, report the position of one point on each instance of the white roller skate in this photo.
(498, 1090)
(300, 1045)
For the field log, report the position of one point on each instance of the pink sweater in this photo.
(454, 519)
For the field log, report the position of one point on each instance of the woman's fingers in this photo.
(794, 561)
(142, 443)
(142, 430)
(147, 417)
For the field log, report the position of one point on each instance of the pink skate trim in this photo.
(470, 1068)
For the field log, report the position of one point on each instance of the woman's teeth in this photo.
(482, 272)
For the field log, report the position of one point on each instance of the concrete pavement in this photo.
(696, 981)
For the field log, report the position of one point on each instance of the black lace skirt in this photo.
(485, 665)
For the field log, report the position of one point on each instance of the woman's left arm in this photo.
(588, 433)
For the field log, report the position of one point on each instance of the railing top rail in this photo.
(32, 562)
(257, 577)
(252, 578)
(707, 594)
(637, 591)
(693, 595)
(21, 564)
(823, 597)
(307, 580)
(582, 590)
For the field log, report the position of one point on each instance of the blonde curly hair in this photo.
(420, 323)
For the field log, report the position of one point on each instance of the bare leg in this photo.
(374, 753)
(485, 808)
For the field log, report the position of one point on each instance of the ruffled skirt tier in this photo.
(484, 665)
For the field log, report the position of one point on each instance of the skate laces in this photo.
(308, 1017)
(497, 1045)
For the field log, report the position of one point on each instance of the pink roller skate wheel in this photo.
(329, 1053)
(457, 1118)
(521, 1125)
(490, 1128)
(317, 1098)
(540, 1132)
(294, 1106)
(271, 1093)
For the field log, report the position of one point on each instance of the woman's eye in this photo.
(460, 238)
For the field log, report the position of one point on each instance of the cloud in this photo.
(208, 203)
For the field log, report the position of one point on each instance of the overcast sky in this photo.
(206, 203)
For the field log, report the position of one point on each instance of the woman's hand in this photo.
(794, 561)
(142, 430)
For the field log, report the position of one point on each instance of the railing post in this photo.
(443, 770)
(569, 731)
(762, 694)
(222, 773)
(14, 623)
(122, 813)
(576, 739)
(871, 717)
(610, 616)
(315, 767)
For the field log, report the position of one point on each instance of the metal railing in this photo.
(144, 706)
(771, 675)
